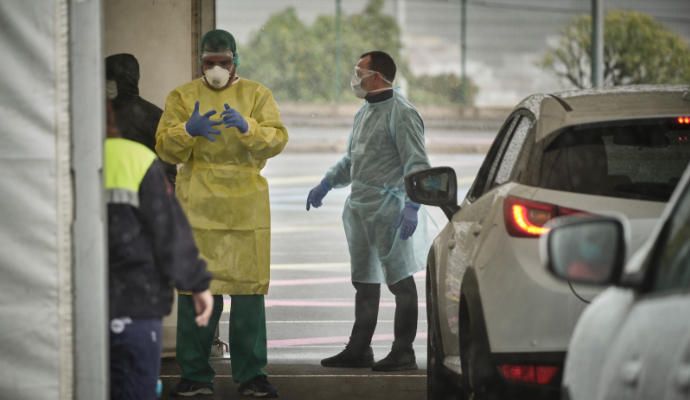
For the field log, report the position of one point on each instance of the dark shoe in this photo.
(258, 387)
(187, 388)
(397, 360)
(350, 358)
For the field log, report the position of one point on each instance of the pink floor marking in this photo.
(319, 281)
(328, 340)
(309, 281)
(321, 303)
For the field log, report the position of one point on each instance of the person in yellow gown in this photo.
(220, 129)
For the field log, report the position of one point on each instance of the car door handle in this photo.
(631, 372)
(683, 378)
(476, 229)
(451, 241)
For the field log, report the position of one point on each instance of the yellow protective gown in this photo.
(219, 183)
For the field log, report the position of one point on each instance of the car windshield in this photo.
(633, 159)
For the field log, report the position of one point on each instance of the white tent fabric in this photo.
(36, 338)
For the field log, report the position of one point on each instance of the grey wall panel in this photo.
(90, 267)
(159, 35)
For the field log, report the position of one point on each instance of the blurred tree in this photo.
(298, 62)
(445, 89)
(637, 49)
(360, 33)
(282, 55)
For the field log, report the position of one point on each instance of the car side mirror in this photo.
(434, 187)
(585, 249)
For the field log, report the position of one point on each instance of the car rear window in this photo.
(632, 159)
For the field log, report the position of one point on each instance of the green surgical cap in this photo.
(219, 41)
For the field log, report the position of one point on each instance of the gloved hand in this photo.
(232, 118)
(317, 194)
(407, 222)
(201, 125)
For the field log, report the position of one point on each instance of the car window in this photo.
(512, 152)
(490, 163)
(673, 262)
(633, 159)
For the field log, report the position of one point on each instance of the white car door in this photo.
(468, 227)
(650, 359)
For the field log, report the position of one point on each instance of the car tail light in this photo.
(526, 218)
(528, 373)
(684, 120)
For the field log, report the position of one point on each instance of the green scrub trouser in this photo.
(247, 338)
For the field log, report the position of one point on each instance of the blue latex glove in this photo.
(232, 118)
(201, 125)
(317, 194)
(407, 222)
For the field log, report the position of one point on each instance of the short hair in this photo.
(381, 62)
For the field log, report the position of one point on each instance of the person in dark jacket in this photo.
(150, 250)
(136, 118)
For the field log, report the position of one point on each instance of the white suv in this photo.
(497, 320)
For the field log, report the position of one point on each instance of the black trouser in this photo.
(367, 300)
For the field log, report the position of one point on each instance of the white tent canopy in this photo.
(53, 314)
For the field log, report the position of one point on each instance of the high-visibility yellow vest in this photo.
(126, 163)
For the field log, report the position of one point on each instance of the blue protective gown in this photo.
(386, 144)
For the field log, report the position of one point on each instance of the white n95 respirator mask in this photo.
(217, 77)
(357, 89)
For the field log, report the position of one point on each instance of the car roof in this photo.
(557, 110)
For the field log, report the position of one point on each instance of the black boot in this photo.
(401, 356)
(351, 357)
(399, 359)
(358, 353)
